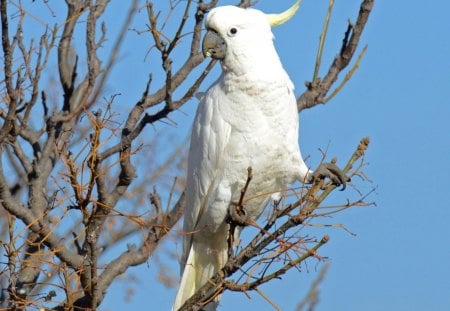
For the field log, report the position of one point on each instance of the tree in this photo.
(71, 149)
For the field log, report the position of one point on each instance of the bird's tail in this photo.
(202, 263)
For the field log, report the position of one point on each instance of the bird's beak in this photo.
(213, 45)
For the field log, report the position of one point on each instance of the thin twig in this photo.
(323, 36)
(348, 76)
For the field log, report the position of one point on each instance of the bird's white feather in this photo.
(247, 118)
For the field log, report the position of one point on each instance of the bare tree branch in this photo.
(317, 90)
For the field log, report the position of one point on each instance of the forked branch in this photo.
(318, 89)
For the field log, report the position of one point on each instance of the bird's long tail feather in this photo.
(202, 263)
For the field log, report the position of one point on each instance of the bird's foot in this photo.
(237, 215)
(331, 171)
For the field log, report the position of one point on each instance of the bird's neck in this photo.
(254, 76)
(254, 82)
(256, 62)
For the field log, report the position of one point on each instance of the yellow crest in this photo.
(281, 18)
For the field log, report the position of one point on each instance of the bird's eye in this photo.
(232, 31)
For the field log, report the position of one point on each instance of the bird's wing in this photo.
(210, 136)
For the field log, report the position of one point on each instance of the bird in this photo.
(247, 118)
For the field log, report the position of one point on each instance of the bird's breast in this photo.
(264, 134)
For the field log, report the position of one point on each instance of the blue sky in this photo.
(399, 258)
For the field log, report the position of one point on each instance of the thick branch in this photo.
(7, 67)
(66, 56)
(7, 52)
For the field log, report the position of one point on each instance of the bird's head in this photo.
(234, 33)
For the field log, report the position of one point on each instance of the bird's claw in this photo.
(237, 215)
(334, 173)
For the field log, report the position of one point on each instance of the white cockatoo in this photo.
(247, 118)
